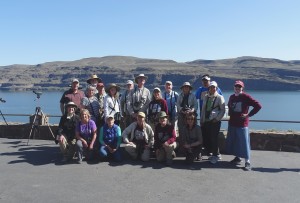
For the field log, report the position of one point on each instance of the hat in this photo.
(75, 80)
(94, 76)
(129, 82)
(186, 84)
(100, 84)
(140, 76)
(157, 89)
(109, 116)
(111, 86)
(141, 114)
(162, 114)
(239, 82)
(72, 104)
(213, 83)
(169, 82)
(205, 77)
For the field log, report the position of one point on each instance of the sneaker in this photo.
(79, 160)
(174, 154)
(236, 161)
(219, 157)
(198, 158)
(247, 166)
(214, 159)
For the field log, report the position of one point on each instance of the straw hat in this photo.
(94, 76)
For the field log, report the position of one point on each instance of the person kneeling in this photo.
(191, 139)
(141, 138)
(164, 140)
(110, 140)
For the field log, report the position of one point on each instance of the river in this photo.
(277, 105)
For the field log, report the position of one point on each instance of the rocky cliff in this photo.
(257, 73)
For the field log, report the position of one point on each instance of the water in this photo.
(276, 106)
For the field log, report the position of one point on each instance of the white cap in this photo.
(156, 88)
(213, 83)
(75, 80)
(169, 82)
(129, 82)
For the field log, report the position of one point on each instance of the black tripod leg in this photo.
(32, 125)
(3, 117)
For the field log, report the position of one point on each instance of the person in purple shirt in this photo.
(86, 135)
(238, 139)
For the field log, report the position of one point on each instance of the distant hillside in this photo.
(257, 73)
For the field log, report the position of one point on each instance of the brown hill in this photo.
(258, 73)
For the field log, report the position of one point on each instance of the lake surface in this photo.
(276, 106)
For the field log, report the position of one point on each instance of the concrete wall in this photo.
(260, 140)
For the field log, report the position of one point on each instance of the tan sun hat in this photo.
(186, 84)
(94, 76)
(111, 86)
(140, 76)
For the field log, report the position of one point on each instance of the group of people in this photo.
(100, 119)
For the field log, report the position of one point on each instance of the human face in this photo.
(168, 87)
(238, 89)
(190, 121)
(94, 81)
(140, 120)
(90, 92)
(113, 91)
(205, 83)
(212, 89)
(71, 109)
(84, 117)
(186, 89)
(156, 94)
(129, 86)
(75, 85)
(141, 81)
(110, 122)
(163, 121)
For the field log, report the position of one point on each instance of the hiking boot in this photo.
(247, 166)
(236, 161)
(214, 159)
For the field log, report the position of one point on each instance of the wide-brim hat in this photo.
(111, 86)
(186, 84)
(71, 104)
(94, 76)
(140, 76)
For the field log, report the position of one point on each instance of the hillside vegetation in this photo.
(257, 73)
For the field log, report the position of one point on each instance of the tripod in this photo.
(3, 117)
(39, 118)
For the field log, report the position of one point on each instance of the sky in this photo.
(35, 31)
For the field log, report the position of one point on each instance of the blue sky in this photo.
(35, 31)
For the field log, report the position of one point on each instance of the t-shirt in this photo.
(86, 130)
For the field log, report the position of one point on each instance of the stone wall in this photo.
(260, 140)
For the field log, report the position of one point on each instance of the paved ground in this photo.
(34, 173)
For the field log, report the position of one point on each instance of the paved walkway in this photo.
(34, 173)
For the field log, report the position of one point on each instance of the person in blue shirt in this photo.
(110, 140)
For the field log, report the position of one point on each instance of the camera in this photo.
(38, 94)
(2, 100)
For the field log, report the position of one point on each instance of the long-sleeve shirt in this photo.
(239, 105)
(138, 100)
(164, 134)
(200, 94)
(110, 136)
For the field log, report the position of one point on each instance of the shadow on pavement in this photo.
(275, 170)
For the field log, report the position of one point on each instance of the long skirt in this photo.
(238, 142)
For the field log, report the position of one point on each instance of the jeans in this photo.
(210, 133)
(104, 152)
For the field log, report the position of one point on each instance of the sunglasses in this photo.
(239, 86)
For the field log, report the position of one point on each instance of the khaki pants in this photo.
(132, 151)
(166, 152)
(67, 148)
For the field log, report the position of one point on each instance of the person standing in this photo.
(171, 98)
(93, 81)
(202, 91)
(110, 140)
(100, 97)
(112, 103)
(213, 110)
(91, 103)
(72, 95)
(186, 104)
(139, 98)
(238, 138)
(124, 98)
(164, 140)
(156, 105)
